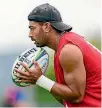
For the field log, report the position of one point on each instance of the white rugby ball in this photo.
(38, 54)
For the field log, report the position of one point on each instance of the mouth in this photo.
(35, 42)
(32, 39)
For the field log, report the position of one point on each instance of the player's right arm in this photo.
(71, 60)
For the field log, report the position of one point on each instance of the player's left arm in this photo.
(71, 60)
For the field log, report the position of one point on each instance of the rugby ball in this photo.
(36, 53)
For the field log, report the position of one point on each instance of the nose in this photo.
(30, 34)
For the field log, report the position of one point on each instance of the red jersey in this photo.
(92, 63)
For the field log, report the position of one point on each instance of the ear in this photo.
(46, 27)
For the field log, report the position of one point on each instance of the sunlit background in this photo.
(83, 15)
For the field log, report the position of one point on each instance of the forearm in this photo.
(56, 89)
(64, 92)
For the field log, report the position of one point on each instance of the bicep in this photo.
(76, 79)
(74, 70)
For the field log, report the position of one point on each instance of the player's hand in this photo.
(31, 75)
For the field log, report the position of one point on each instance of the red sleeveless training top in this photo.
(92, 63)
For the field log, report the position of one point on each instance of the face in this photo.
(37, 33)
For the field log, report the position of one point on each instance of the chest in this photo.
(59, 74)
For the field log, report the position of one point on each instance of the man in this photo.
(77, 64)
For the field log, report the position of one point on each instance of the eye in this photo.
(32, 29)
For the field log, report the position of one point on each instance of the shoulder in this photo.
(70, 55)
(69, 51)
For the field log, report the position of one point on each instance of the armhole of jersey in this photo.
(70, 42)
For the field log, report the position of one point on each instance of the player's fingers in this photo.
(21, 72)
(36, 64)
(21, 77)
(26, 81)
(25, 66)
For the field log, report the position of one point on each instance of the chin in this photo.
(39, 45)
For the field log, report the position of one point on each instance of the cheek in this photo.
(34, 34)
(41, 34)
